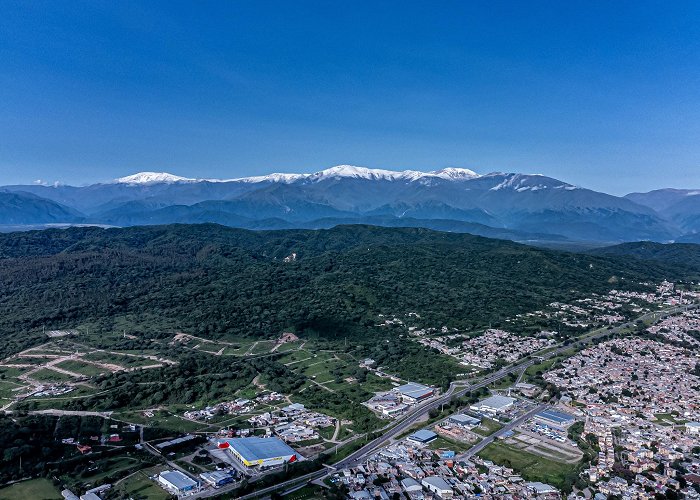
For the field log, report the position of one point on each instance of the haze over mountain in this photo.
(505, 205)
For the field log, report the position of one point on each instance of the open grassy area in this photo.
(34, 489)
(9, 388)
(140, 485)
(119, 359)
(86, 369)
(487, 427)
(531, 467)
(46, 375)
(442, 443)
(9, 372)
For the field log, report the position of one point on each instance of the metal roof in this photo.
(183, 439)
(497, 402)
(178, 479)
(256, 448)
(555, 416)
(438, 483)
(464, 419)
(423, 435)
(414, 390)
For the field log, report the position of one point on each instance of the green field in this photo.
(119, 359)
(141, 486)
(487, 427)
(11, 372)
(531, 467)
(442, 443)
(8, 389)
(46, 375)
(34, 489)
(86, 369)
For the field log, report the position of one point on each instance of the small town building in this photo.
(439, 486)
(692, 427)
(463, 420)
(217, 478)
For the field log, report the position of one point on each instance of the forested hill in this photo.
(685, 255)
(214, 281)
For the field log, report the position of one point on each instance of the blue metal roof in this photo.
(423, 435)
(555, 416)
(178, 479)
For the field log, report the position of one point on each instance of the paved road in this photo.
(508, 427)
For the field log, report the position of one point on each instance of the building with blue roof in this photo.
(423, 436)
(259, 451)
(556, 419)
(177, 482)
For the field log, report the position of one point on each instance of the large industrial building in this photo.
(556, 419)
(494, 404)
(257, 451)
(176, 482)
(413, 392)
(422, 436)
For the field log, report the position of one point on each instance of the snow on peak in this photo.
(350, 171)
(152, 178)
(454, 173)
(337, 172)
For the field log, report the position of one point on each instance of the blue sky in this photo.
(602, 94)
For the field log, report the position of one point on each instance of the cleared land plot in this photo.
(487, 427)
(9, 389)
(442, 443)
(46, 375)
(34, 489)
(119, 359)
(531, 467)
(87, 369)
(140, 485)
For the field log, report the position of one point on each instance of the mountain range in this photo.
(521, 207)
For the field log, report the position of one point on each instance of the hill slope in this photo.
(26, 208)
(681, 255)
(216, 281)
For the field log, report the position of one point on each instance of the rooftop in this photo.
(555, 416)
(422, 435)
(497, 402)
(256, 448)
(414, 390)
(178, 479)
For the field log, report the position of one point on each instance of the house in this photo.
(692, 428)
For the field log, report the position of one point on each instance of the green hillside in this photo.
(215, 281)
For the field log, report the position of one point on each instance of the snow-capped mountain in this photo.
(152, 178)
(337, 172)
(512, 203)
